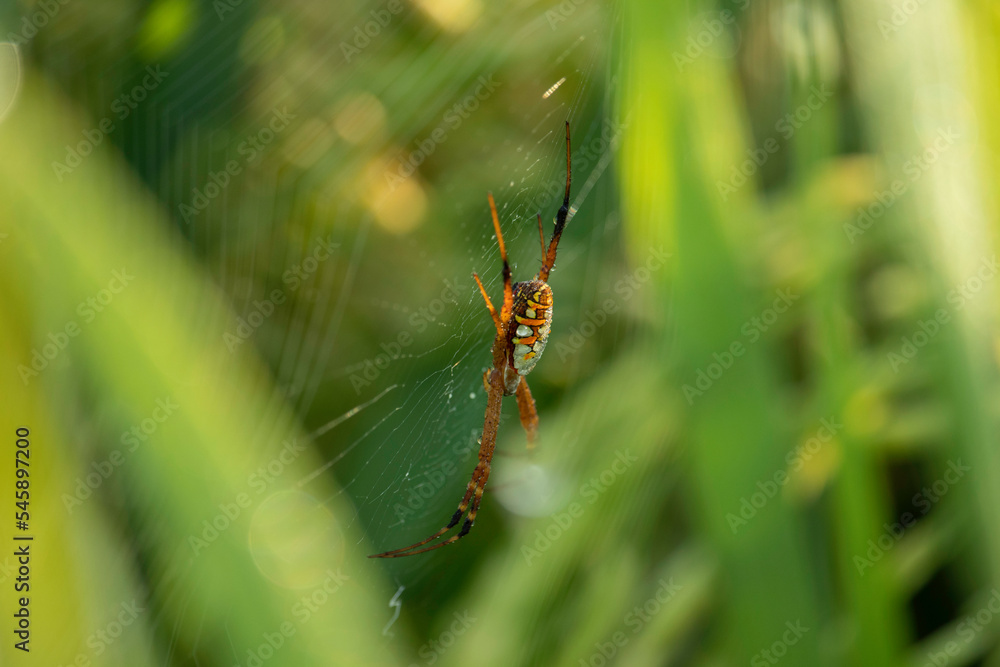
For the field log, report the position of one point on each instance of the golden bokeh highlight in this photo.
(452, 15)
(398, 204)
(359, 118)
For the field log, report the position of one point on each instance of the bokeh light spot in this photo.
(399, 204)
(452, 15)
(165, 28)
(529, 489)
(360, 117)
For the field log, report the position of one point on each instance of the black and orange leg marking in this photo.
(508, 291)
(476, 486)
(550, 256)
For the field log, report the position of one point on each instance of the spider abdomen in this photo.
(530, 324)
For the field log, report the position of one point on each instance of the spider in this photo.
(523, 325)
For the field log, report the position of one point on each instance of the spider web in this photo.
(381, 338)
(406, 465)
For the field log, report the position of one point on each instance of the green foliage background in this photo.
(738, 511)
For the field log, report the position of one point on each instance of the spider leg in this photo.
(526, 408)
(508, 291)
(487, 444)
(466, 527)
(550, 256)
(456, 517)
(489, 304)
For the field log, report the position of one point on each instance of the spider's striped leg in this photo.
(477, 484)
(526, 408)
(508, 290)
(466, 527)
(550, 256)
(471, 519)
(456, 517)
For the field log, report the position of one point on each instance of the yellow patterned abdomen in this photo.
(530, 326)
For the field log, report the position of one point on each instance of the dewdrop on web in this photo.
(554, 88)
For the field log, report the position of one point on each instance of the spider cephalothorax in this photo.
(522, 325)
